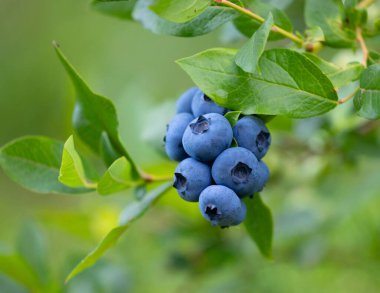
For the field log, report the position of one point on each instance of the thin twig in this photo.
(260, 19)
(363, 46)
(364, 4)
(349, 97)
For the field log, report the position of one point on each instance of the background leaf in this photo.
(130, 214)
(204, 23)
(367, 100)
(119, 8)
(232, 117)
(34, 162)
(288, 84)
(180, 10)
(248, 56)
(259, 224)
(94, 116)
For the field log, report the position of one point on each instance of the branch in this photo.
(349, 97)
(363, 46)
(260, 19)
(364, 4)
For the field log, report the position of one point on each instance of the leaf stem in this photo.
(260, 19)
(364, 4)
(349, 97)
(149, 178)
(363, 46)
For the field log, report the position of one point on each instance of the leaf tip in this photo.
(55, 44)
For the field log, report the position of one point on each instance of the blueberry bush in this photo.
(220, 133)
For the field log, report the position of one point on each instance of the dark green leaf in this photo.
(373, 58)
(247, 26)
(330, 16)
(117, 178)
(367, 100)
(259, 224)
(34, 162)
(119, 8)
(338, 76)
(288, 83)
(232, 117)
(247, 58)
(180, 10)
(94, 116)
(129, 215)
(204, 23)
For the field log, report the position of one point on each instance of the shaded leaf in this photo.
(119, 8)
(232, 117)
(288, 83)
(130, 214)
(259, 224)
(34, 162)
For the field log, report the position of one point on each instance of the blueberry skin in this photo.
(242, 214)
(238, 169)
(183, 104)
(220, 206)
(191, 178)
(263, 176)
(207, 136)
(251, 133)
(202, 104)
(173, 138)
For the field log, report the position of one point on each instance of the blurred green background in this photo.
(324, 191)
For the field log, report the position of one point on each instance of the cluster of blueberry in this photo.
(210, 170)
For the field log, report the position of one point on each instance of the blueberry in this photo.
(183, 104)
(263, 176)
(251, 133)
(173, 138)
(191, 178)
(207, 136)
(242, 214)
(202, 104)
(237, 168)
(220, 206)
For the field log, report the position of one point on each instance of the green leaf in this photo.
(204, 23)
(34, 162)
(129, 215)
(247, 58)
(72, 172)
(117, 178)
(94, 116)
(289, 84)
(329, 15)
(232, 117)
(259, 224)
(338, 76)
(247, 26)
(367, 100)
(373, 58)
(119, 8)
(180, 10)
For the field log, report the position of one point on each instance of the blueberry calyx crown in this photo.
(262, 140)
(179, 182)
(206, 98)
(240, 173)
(200, 126)
(212, 212)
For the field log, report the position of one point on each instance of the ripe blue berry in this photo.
(220, 206)
(263, 176)
(173, 138)
(202, 104)
(207, 136)
(183, 104)
(251, 133)
(237, 168)
(191, 178)
(242, 214)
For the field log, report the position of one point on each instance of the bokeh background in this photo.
(324, 191)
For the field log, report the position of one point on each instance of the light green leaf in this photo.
(34, 162)
(204, 23)
(117, 178)
(288, 84)
(373, 58)
(180, 10)
(247, 58)
(94, 116)
(130, 214)
(247, 26)
(338, 76)
(329, 16)
(72, 172)
(367, 100)
(232, 117)
(119, 8)
(259, 224)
